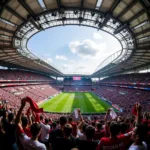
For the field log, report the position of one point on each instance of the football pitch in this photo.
(67, 101)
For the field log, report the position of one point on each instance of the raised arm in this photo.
(81, 119)
(106, 117)
(18, 117)
(138, 108)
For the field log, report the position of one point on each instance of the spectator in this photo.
(66, 142)
(29, 143)
(89, 143)
(99, 133)
(139, 133)
(45, 132)
(10, 141)
(57, 133)
(114, 142)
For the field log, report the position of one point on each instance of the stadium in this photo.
(88, 82)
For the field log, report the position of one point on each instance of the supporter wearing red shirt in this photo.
(53, 125)
(67, 142)
(114, 142)
(99, 133)
(25, 126)
(74, 126)
(26, 142)
(88, 143)
(139, 133)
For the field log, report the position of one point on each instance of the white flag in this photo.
(76, 113)
(112, 113)
(89, 118)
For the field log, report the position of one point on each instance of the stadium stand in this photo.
(20, 75)
(134, 77)
(125, 97)
(38, 92)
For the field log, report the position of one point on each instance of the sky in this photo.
(73, 49)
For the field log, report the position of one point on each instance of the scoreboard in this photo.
(76, 78)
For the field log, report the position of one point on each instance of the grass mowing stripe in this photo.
(66, 102)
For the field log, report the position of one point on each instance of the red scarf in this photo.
(33, 106)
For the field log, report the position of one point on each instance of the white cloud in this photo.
(87, 48)
(61, 57)
(65, 66)
(97, 36)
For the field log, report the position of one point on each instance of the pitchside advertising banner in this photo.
(76, 78)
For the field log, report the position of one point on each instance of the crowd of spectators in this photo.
(38, 92)
(22, 75)
(133, 77)
(125, 97)
(19, 130)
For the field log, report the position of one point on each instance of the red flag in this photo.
(34, 106)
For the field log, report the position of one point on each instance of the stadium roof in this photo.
(126, 20)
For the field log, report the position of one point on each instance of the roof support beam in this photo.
(139, 60)
(137, 15)
(82, 3)
(121, 28)
(2, 5)
(32, 17)
(142, 43)
(145, 7)
(8, 22)
(59, 3)
(142, 32)
(142, 58)
(143, 48)
(6, 30)
(116, 2)
(127, 8)
(24, 4)
(6, 47)
(7, 36)
(141, 52)
(36, 25)
(5, 41)
(106, 18)
(15, 13)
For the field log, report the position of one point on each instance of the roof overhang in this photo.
(126, 20)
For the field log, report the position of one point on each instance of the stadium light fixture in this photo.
(41, 3)
(80, 19)
(144, 38)
(120, 28)
(7, 22)
(92, 14)
(4, 36)
(75, 12)
(114, 21)
(54, 14)
(140, 25)
(99, 3)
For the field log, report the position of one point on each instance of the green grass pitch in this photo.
(68, 101)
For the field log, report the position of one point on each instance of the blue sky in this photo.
(73, 49)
